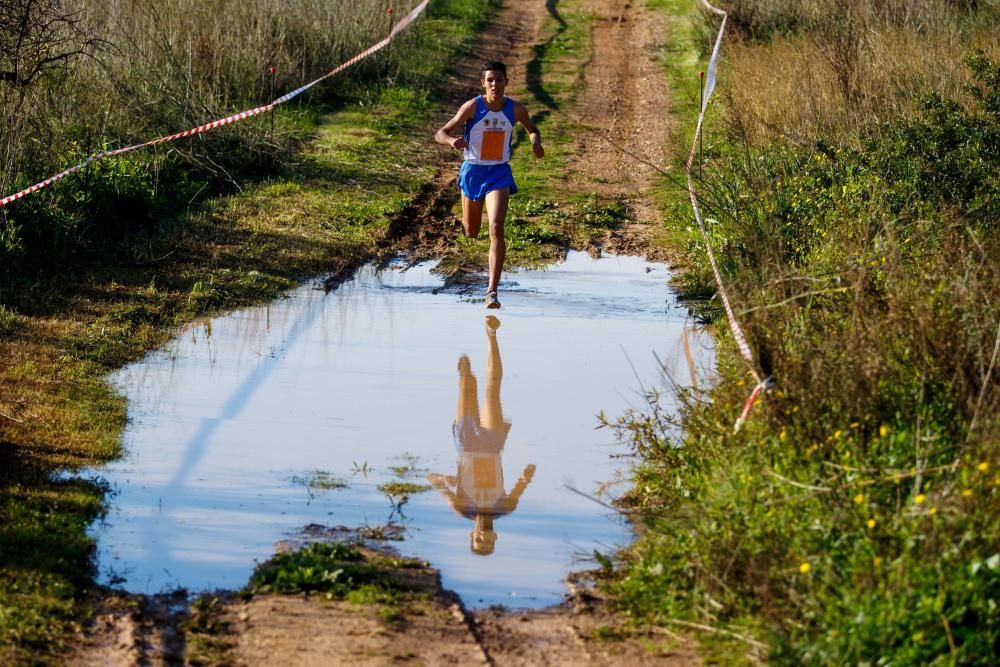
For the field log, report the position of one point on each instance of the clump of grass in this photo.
(408, 467)
(610, 214)
(334, 570)
(207, 634)
(399, 489)
(320, 480)
(8, 321)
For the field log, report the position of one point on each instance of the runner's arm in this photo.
(446, 135)
(521, 116)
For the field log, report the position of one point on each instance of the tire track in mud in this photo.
(624, 115)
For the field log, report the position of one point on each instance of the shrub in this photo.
(853, 519)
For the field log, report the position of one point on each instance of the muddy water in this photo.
(248, 428)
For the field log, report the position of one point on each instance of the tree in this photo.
(40, 36)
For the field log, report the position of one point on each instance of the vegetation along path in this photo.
(358, 178)
(853, 207)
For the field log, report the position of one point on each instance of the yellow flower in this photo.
(847, 455)
(920, 499)
(782, 435)
(877, 561)
(837, 434)
(983, 467)
(883, 430)
(858, 499)
(805, 567)
(933, 511)
(871, 523)
(966, 493)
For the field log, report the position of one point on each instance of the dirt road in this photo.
(619, 114)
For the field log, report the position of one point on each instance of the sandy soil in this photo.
(622, 116)
(430, 627)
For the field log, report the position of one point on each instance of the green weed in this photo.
(337, 571)
(320, 481)
(8, 321)
(853, 518)
(399, 489)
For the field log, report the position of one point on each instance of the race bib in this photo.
(492, 146)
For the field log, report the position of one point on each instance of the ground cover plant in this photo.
(853, 519)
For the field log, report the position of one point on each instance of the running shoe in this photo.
(491, 300)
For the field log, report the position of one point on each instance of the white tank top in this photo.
(489, 135)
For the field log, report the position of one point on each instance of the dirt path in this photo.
(624, 111)
(622, 101)
(428, 627)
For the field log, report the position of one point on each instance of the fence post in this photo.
(272, 70)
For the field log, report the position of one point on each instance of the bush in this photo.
(853, 519)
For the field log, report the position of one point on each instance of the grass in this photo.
(207, 635)
(63, 332)
(399, 489)
(334, 570)
(852, 520)
(339, 571)
(101, 268)
(320, 481)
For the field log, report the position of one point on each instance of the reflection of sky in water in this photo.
(233, 414)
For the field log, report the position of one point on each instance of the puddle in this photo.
(247, 429)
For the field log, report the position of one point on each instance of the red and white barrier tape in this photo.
(243, 115)
(734, 325)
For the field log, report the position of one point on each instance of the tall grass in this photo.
(835, 68)
(853, 519)
(159, 66)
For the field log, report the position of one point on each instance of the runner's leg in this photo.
(492, 410)
(472, 216)
(468, 400)
(496, 210)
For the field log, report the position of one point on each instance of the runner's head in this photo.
(494, 77)
(484, 538)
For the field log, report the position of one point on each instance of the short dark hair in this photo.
(494, 66)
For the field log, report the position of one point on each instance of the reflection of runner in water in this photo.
(477, 491)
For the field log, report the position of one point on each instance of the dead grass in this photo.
(838, 68)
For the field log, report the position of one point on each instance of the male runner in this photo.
(486, 124)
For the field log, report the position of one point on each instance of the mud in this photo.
(624, 118)
(430, 627)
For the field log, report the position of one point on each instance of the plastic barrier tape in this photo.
(243, 115)
(734, 325)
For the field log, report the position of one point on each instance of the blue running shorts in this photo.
(476, 180)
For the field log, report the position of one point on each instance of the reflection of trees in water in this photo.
(477, 490)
